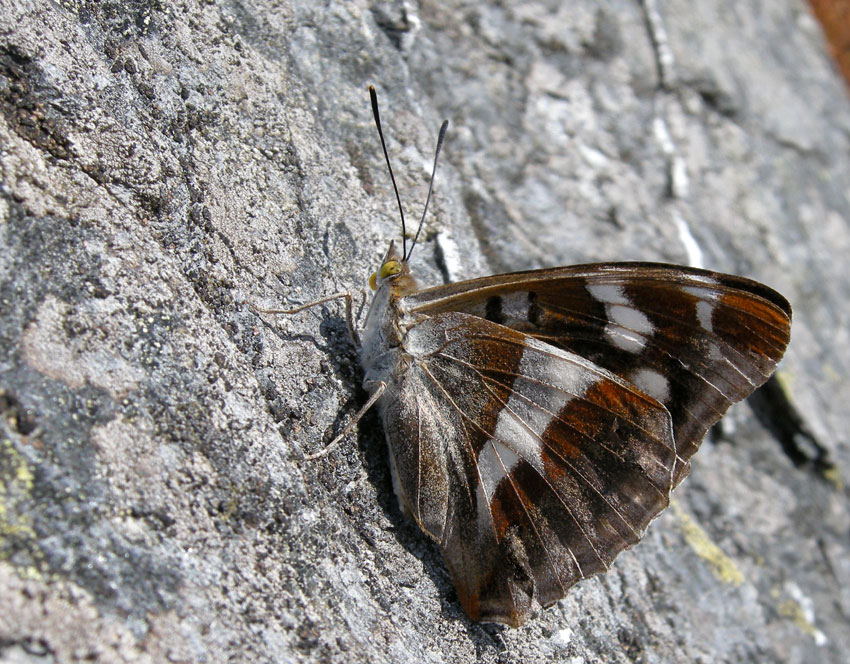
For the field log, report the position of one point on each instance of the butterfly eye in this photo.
(390, 268)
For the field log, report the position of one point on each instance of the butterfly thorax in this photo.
(386, 323)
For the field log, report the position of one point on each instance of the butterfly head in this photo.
(394, 268)
(394, 272)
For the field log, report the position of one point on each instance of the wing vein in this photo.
(480, 480)
(490, 436)
(577, 472)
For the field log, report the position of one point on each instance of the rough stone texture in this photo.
(164, 165)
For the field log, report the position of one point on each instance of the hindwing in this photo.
(531, 466)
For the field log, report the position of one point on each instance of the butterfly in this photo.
(537, 421)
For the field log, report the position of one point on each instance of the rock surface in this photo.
(167, 165)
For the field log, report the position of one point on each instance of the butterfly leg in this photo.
(349, 317)
(379, 390)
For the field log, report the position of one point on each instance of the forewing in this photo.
(530, 466)
(695, 340)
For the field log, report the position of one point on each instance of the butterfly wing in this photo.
(695, 340)
(529, 465)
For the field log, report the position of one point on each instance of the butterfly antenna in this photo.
(440, 138)
(374, 97)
